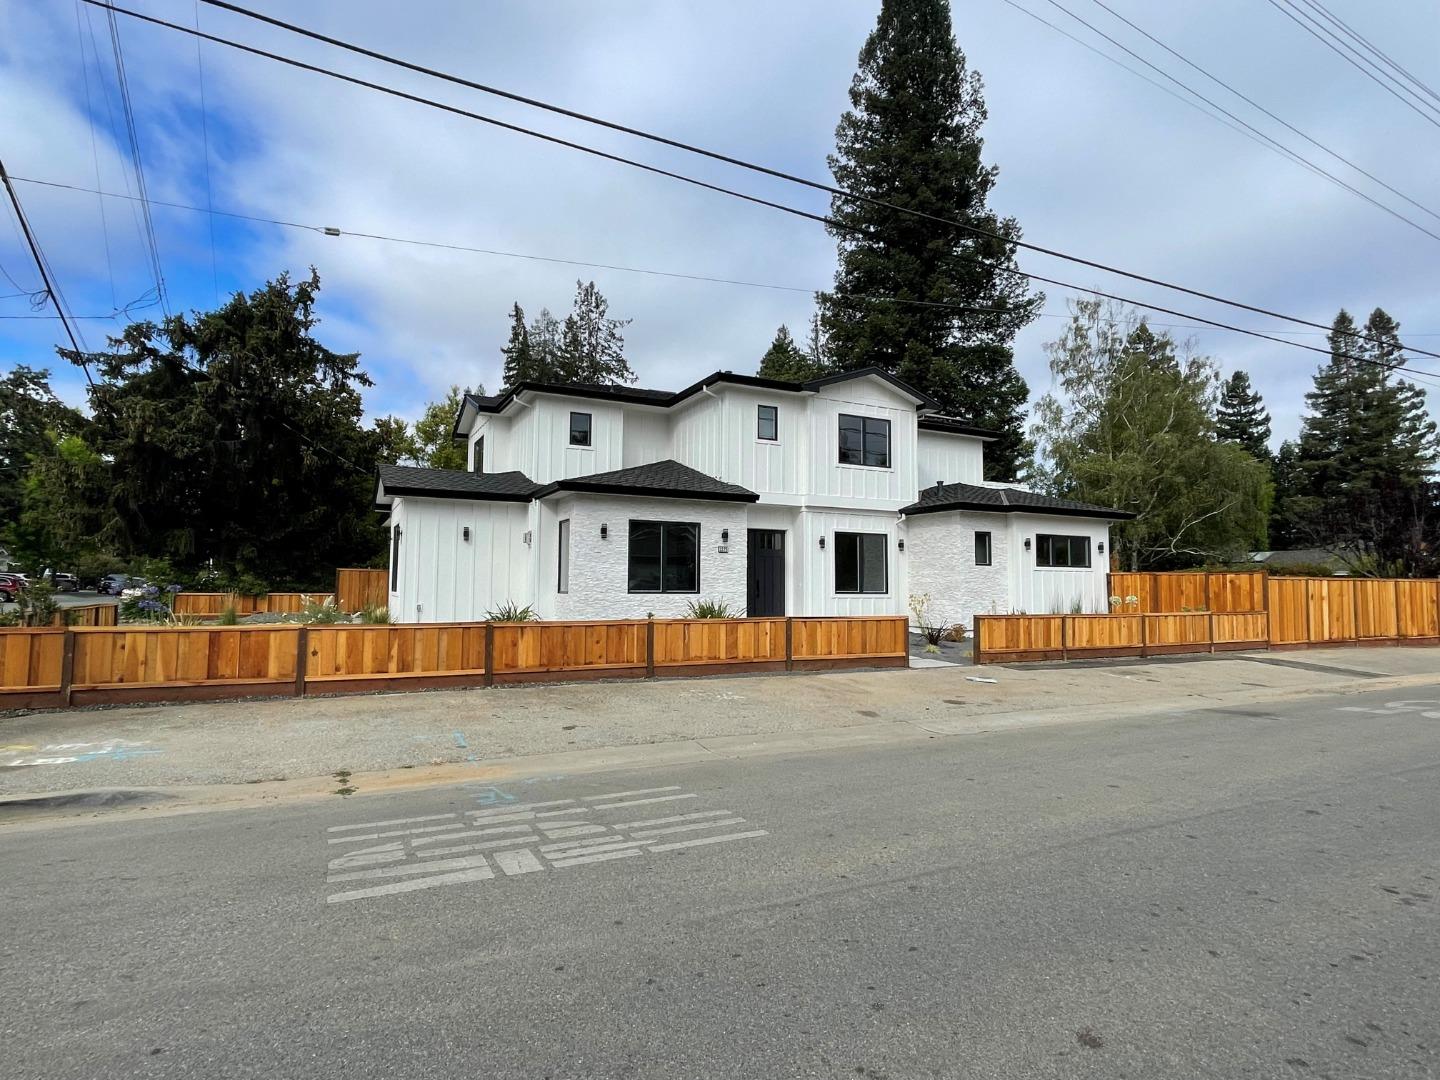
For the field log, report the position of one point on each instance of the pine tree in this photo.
(786, 361)
(912, 138)
(1241, 418)
(518, 353)
(592, 349)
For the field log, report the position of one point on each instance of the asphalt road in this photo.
(1244, 893)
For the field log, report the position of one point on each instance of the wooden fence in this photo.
(1189, 591)
(360, 588)
(1005, 638)
(208, 605)
(95, 665)
(87, 615)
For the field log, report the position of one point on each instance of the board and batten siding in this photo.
(446, 578)
(695, 428)
(940, 551)
(861, 486)
(815, 568)
(948, 459)
(646, 436)
(1036, 590)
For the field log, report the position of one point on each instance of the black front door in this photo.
(765, 593)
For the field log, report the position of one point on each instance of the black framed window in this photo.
(767, 422)
(982, 549)
(395, 559)
(861, 563)
(562, 574)
(480, 454)
(579, 429)
(1057, 550)
(864, 440)
(664, 557)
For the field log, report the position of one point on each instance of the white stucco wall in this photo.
(940, 550)
(599, 569)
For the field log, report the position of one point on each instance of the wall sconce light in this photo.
(465, 533)
(529, 537)
(724, 536)
(1027, 543)
(1102, 547)
(900, 544)
(822, 543)
(604, 532)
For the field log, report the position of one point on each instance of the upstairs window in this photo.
(1054, 550)
(480, 454)
(767, 422)
(664, 557)
(982, 549)
(579, 429)
(864, 440)
(861, 563)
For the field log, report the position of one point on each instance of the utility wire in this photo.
(1348, 53)
(328, 230)
(205, 140)
(94, 151)
(1255, 104)
(676, 144)
(1370, 47)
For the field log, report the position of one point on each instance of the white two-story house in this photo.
(844, 495)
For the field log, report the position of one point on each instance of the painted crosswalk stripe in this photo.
(627, 794)
(395, 832)
(692, 827)
(510, 808)
(559, 813)
(603, 856)
(484, 845)
(675, 817)
(370, 858)
(575, 845)
(517, 862)
(412, 868)
(498, 830)
(709, 840)
(457, 878)
(392, 821)
(572, 830)
(638, 802)
(615, 845)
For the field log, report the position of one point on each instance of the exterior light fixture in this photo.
(900, 544)
(1027, 543)
(1102, 547)
(604, 532)
(465, 533)
(725, 536)
(822, 543)
(528, 537)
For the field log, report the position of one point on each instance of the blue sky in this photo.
(1092, 160)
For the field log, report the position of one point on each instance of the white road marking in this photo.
(499, 830)
(344, 862)
(517, 862)
(676, 817)
(627, 794)
(613, 846)
(576, 845)
(412, 868)
(484, 846)
(637, 802)
(392, 821)
(602, 857)
(510, 808)
(396, 832)
(709, 840)
(558, 813)
(410, 886)
(572, 830)
(689, 828)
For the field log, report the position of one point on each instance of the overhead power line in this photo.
(1363, 64)
(674, 143)
(1371, 47)
(1200, 323)
(1256, 105)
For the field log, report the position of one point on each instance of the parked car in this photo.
(10, 587)
(115, 584)
(65, 582)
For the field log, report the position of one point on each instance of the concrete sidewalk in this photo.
(454, 735)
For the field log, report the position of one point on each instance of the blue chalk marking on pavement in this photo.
(459, 740)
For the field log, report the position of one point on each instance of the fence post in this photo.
(1309, 629)
(1396, 583)
(489, 653)
(302, 659)
(1210, 617)
(1064, 647)
(67, 666)
(1208, 605)
(649, 648)
(1354, 587)
(1144, 637)
(790, 643)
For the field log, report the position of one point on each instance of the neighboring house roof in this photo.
(1302, 557)
(1004, 500)
(661, 479)
(665, 399)
(396, 480)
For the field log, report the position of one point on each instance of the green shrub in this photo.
(709, 609)
(512, 612)
(228, 616)
(37, 604)
(324, 612)
(375, 614)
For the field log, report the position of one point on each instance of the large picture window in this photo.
(861, 563)
(1056, 550)
(864, 440)
(562, 580)
(579, 429)
(664, 557)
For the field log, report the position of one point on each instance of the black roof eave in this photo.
(997, 508)
(645, 492)
(450, 493)
(946, 427)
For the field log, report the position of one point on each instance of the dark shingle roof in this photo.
(942, 497)
(661, 479)
(454, 484)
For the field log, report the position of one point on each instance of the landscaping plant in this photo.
(512, 612)
(709, 609)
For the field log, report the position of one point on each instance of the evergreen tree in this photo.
(592, 349)
(954, 298)
(519, 355)
(1241, 418)
(31, 418)
(1289, 484)
(786, 361)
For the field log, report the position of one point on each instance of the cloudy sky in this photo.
(1092, 160)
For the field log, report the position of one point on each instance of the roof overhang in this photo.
(587, 487)
(1097, 514)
